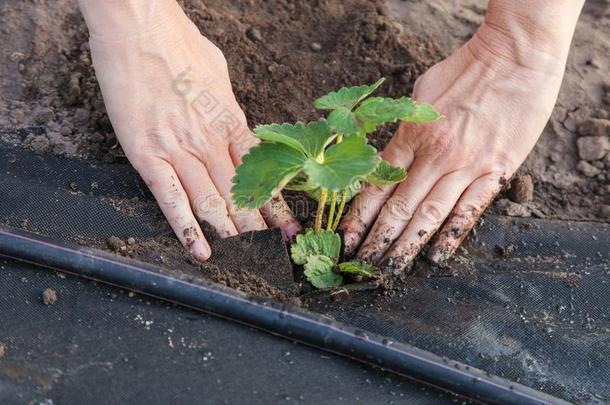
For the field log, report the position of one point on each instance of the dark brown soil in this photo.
(283, 54)
(256, 263)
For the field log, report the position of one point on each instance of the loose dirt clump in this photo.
(49, 296)
(117, 244)
(521, 189)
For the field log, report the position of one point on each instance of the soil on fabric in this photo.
(256, 263)
(282, 55)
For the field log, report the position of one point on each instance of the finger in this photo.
(206, 202)
(367, 205)
(426, 220)
(469, 208)
(399, 209)
(241, 143)
(222, 171)
(276, 212)
(165, 186)
(279, 215)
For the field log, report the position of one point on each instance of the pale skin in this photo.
(165, 87)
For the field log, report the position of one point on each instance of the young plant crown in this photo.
(330, 160)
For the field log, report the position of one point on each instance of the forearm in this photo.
(117, 19)
(536, 33)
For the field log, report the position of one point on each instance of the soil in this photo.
(49, 296)
(245, 262)
(285, 53)
(282, 55)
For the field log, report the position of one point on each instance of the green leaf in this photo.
(385, 174)
(344, 121)
(312, 243)
(377, 111)
(319, 272)
(345, 163)
(424, 113)
(347, 97)
(358, 268)
(300, 183)
(264, 170)
(310, 139)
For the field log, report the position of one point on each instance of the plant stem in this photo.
(341, 209)
(331, 214)
(321, 206)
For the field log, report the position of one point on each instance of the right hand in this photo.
(169, 98)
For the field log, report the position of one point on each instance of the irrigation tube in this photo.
(291, 323)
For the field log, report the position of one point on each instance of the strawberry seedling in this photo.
(330, 160)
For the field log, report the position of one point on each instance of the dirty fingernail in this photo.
(439, 255)
(395, 265)
(290, 230)
(369, 256)
(201, 250)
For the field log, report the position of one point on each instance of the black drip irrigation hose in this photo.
(291, 323)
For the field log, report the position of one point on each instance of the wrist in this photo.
(536, 35)
(111, 20)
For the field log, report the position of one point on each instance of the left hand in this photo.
(496, 105)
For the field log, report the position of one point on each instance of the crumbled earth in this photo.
(244, 262)
(521, 189)
(49, 296)
(285, 53)
(2, 350)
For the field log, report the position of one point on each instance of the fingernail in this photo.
(370, 257)
(201, 250)
(438, 255)
(395, 265)
(290, 230)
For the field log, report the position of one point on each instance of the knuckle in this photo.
(500, 163)
(375, 190)
(470, 206)
(172, 197)
(432, 211)
(244, 216)
(399, 208)
(353, 223)
(243, 140)
(141, 162)
(442, 145)
(210, 204)
(403, 138)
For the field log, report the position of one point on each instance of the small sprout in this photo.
(330, 160)
(312, 243)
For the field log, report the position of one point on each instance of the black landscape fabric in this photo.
(526, 299)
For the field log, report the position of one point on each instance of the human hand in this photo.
(497, 95)
(169, 98)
